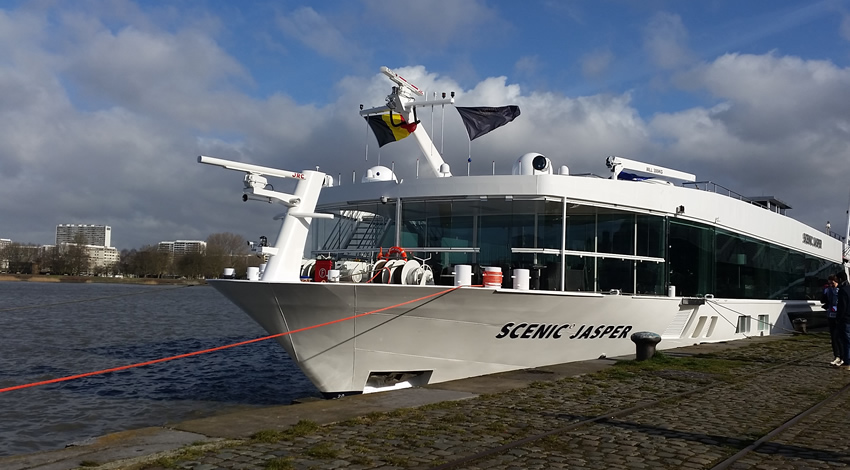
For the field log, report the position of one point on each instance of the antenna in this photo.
(403, 84)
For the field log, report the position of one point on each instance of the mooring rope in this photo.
(219, 348)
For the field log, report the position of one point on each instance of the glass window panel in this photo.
(549, 225)
(650, 235)
(729, 265)
(414, 225)
(615, 233)
(691, 258)
(581, 228)
(780, 276)
(616, 274)
(650, 278)
(580, 274)
(549, 269)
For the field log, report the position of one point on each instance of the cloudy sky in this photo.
(105, 105)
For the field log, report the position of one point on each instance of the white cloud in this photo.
(595, 64)
(445, 22)
(665, 40)
(318, 33)
(780, 129)
(528, 66)
(775, 96)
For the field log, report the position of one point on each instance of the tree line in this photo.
(223, 250)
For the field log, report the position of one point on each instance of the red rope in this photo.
(219, 348)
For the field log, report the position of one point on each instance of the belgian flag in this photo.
(390, 127)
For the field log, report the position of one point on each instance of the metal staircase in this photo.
(356, 230)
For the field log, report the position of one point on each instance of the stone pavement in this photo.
(527, 419)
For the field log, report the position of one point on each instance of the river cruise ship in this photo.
(397, 282)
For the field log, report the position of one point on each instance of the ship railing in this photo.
(713, 187)
(587, 254)
(413, 249)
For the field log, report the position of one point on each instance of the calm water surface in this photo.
(56, 330)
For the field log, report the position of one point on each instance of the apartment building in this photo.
(4, 263)
(96, 235)
(182, 247)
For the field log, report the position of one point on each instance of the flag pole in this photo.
(432, 125)
(367, 135)
(469, 151)
(442, 125)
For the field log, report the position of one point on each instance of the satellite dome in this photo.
(378, 173)
(532, 164)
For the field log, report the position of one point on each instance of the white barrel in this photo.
(253, 273)
(333, 275)
(521, 279)
(463, 275)
(671, 291)
(229, 273)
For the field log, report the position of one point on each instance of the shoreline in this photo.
(98, 279)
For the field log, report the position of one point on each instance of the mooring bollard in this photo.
(645, 342)
(799, 325)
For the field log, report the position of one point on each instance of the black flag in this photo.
(483, 119)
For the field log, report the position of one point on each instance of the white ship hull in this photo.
(475, 331)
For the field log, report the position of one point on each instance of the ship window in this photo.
(581, 230)
(499, 233)
(579, 273)
(650, 236)
(615, 233)
(748, 268)
(550, 225)
(650, 278)
(691, 258)
(616, 274)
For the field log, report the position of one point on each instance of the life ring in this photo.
(397, 250)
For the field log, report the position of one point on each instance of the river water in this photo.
(51, 330)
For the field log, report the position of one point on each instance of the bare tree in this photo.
(14, 256)
(77, 256)
(225, 250)
(191, 265)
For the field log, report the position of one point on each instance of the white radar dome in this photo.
(378, 173)
(532, 164)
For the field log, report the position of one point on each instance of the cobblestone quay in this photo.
(738, 395)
